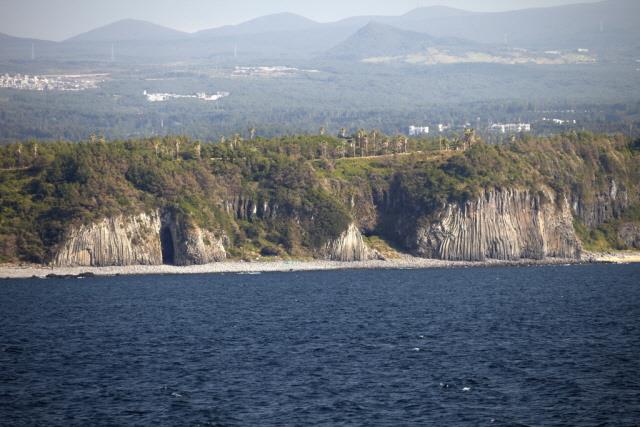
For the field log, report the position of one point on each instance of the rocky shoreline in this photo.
(404, 262)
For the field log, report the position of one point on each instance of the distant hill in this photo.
(377, 39)
(281, 22)
(19, 48)
(6, 39)
(592, 24)
(130, 30)
(609, 28)
(419, 14)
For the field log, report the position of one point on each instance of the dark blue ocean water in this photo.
(492, 346)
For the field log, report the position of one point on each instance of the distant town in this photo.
(77, 82)
(274, 71)
(499, 128)
(162, 97)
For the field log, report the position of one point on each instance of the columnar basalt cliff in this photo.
(144, 239)
(502, 225)
(188, 243)
(350, 246)
(118, 241)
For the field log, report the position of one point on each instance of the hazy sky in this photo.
(60, 19)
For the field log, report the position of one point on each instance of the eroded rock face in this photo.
(629, 235)
(194, 246)
(350, 246)
(502, 225)
(603, 206)
(114, 241)
(144, 239)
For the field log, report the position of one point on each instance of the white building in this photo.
(418, 130)
(443, 128)
(511, 127)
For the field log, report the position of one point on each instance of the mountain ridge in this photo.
(129, 30)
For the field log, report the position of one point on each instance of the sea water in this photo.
(484, 346)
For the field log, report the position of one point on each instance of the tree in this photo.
(19, 154)
(374, 137)
(469, 138)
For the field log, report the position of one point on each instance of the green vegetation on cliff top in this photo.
(289, 196)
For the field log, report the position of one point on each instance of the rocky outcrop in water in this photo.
(114, 241)
(503, 225)
(144, 239)
(350, 246)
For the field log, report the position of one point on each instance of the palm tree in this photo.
(374, 137)
(365, 139)
(469, 137)
(398, 144)
(19, 153)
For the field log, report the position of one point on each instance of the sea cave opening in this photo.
(166, 240)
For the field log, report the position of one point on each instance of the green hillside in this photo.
(291, 195)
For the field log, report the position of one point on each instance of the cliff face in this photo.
(602, 206)
(503, 225)
(629, 234)
(350, 246)
(144, 239)
(248, 208)
(189, 244)
(113, 241)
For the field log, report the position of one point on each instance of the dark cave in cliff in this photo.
(166, 240)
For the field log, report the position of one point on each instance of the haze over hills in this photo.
(281, 22)
(604, 22)
(129, 30)
(375, 39)
(610, 25)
